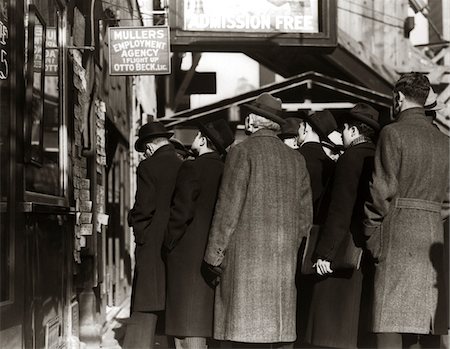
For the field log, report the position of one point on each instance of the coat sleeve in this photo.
(384, 185)
(343, 197)
(182, 210)
(229, 205)
(306, 197)
(141, 215)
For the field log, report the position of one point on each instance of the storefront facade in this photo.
(64, 258)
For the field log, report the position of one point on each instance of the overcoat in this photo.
(405, 226)
(149, 216)
(334, 312)
(190, 300)
(320, 168)
(263, 212)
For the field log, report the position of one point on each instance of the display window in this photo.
(44, 124)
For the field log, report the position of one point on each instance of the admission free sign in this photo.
(139, 50)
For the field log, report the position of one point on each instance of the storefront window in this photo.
(44, 176)
(5, 98)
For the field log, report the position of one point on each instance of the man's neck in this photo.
(409, 105)
(159, 145)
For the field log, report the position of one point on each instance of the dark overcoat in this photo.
(334, 312)
(149, 217)
(263, 212)
(320, 168)
(190, 300)
(404, 222)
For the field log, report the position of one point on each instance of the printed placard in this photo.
(139, 50)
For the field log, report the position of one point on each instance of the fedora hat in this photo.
(219, 133)
(323, 123)
(367, 114)
(290, 128)
(432, 103)
(267, 106)
(149, 131)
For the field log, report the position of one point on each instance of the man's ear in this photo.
(401, 96)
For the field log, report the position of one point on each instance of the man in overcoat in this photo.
(405, 219)
(312, 131)
(190, 299)
(149, 216)
(263, 212)
(334, 312)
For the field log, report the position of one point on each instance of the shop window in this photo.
(44, 118)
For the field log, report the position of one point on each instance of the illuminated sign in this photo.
(139, 50)
(267, 16)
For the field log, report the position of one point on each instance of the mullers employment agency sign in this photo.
(139, 50)
(283, 16)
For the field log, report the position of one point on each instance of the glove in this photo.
(211, 274)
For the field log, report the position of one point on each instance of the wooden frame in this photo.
(34, 95)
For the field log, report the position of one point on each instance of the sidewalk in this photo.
(113, 332)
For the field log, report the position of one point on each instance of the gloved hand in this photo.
(211, 274)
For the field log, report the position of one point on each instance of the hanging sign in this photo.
(139, 50)
(282, 16)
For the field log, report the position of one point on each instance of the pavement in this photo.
(113, 332)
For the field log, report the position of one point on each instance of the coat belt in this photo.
(419, 204)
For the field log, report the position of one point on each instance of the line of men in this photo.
(217, 244)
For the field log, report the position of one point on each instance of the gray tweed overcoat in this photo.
(263, 212)
(406, 228)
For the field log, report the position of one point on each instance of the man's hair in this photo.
(415, 86)
(262, 122)
(363, 128)
(158, 140)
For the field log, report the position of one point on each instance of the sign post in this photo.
(139, 50)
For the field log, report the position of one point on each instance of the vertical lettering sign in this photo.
(139, 50)
(266, 16)
(4, 69)
(51, 52)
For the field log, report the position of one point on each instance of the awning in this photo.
(304, 91)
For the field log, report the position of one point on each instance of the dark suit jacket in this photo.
(149, 217)
(190, 301)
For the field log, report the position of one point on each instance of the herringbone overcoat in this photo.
(149, 216)
(405, 226)
(263, 212)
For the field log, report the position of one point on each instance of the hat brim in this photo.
(265, 113)
(141, 142)
(438, 106)
(368, 121)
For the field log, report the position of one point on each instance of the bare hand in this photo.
(323, 267)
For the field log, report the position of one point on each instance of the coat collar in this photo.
(211, 155)
(164, 149)
(264, 133)
(413, 113)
